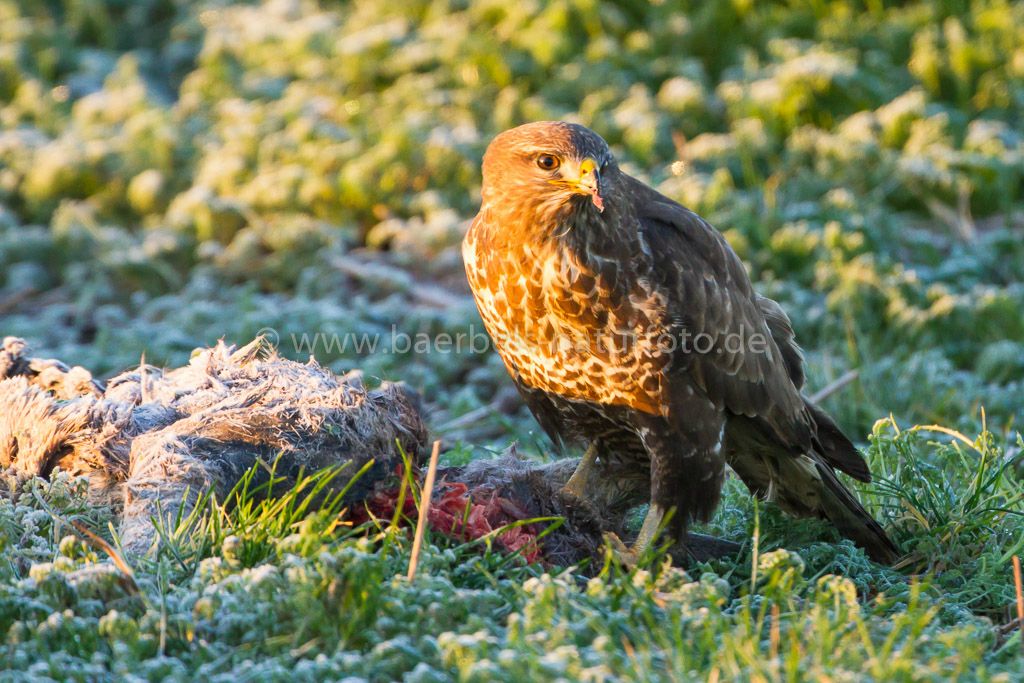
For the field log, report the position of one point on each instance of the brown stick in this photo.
(1020, 599)
(835, 386)
(775, 634)
(469, 418)
(14, 300)
(398, 279)
(100, 544)
(421, 523)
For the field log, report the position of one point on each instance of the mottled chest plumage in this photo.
(580, 325)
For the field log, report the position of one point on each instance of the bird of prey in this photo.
(629, 325)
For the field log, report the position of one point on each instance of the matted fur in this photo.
(153, 440)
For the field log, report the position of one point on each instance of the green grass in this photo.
(174, 172)
(256, 586)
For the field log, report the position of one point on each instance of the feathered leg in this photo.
(687, 471)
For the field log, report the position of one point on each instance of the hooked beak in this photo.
(588, 182)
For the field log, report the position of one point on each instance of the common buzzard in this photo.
(629, 324)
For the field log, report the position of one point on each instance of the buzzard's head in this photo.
(548, 167)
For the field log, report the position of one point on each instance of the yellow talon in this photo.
(630, 557)
(624, 555)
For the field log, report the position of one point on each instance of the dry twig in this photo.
(1020, 599)
(835, 386)
(95, 541)
(421, 523)
(12, 301)
(775, 636)
(398, 279)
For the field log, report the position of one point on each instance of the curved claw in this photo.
(624, 555)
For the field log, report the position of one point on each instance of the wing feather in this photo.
(710, 294)
(731, 335)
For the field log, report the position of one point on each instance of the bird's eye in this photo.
(548, 162)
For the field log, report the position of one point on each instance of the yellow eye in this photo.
(548, 162)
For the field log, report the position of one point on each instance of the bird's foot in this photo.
(623, 554)
(630, 556)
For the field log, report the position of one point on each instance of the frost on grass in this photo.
(186, 171)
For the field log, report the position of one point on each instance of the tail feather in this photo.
(837, 503)
(851, 519)
(835, 447)
(806, 485)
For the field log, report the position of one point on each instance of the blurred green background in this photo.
(174, 172)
